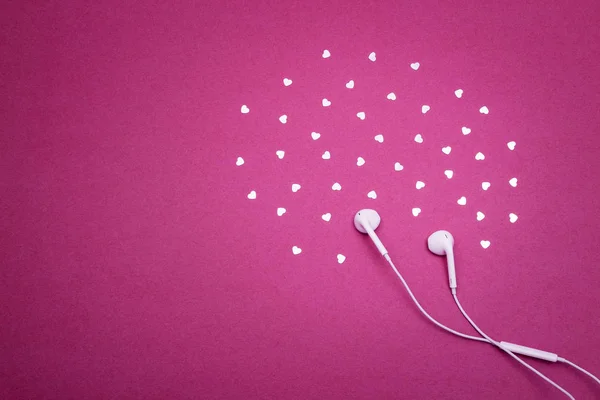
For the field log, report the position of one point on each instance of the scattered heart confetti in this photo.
(449, 173)
(379, 138)
(425, 108)
(484, 110)
(398, 166)
(513, 182)
(416, 211)
(281, 211)
(391, 96)
(240, 161)
(462, 201)
(415, 65)
(341, 258)
(372, 56)
(458, 93)
(513, 218)
(485, 185)
(283, 119)
(372, 195)
(350, 84)
(360, 161)
(287, 82)
(245, 109)
(336, 186)
(465, 130)
(326, 217)
(511, 145)
(419, 138)
(326, 155)
(326, 103)
(315, 135)
(446, 150)
(280, 154)
(480, 215)
(485, 244)
(479, 156)
(420, 185)
(296, 250)
(361, 115)
(326, 54)
(252, 195)
(295, 187)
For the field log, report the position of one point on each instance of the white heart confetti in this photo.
(372, 195)
(280, 154)
(416, 211)
(326, 54)
(326, 155)
(485, 185)
(513, 182)
(295, 187)
(379, 138)
(281, 211)
(479, 156)
(245, 109)
(336, 186)
(511, 145)
(480, 215)
(398, 167)
(350, 84)
(360, 161)
(512, 218)
(315, 135)
(252, 195)
(446, 150)
(415, 65)
(449, 173)
(240, 161)
(287, 82)
(326, 103)
(296, 250)
(465, 130)
(458, 93)
(391, 96)
(485, 244)
(341, 258)
(372, 56)
(283, 119)
(361, 115)
(425, 108)
(419, 138)
(484, 110)
(420, 185)
(326, 217)
(462, 201)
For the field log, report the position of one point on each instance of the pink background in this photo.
(134, 265)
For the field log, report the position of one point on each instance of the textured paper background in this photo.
(134, 265)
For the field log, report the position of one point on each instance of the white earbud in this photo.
(366, 221)
(442, 244)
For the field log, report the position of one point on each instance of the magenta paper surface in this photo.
(171, 228)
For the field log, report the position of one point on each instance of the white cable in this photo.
(550, 381)
(579, 368)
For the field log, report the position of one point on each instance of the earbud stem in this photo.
(375, 240)
(451, 268)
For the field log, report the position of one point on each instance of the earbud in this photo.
(366, 221)
(442, 244)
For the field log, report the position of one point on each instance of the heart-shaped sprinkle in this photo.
(512, 218)
(484, 110)
(245, 109)
(361, 115)
(240, 161)
(281, 211)
(315, 135)
(485, 244)
(295, 187)
(391, 96)
(379, 138)
(341, 258)
(416, 211)
(296, 250)
(360, 161)
(326, 155)
(326, 217)
(252, 195)
(458, 93)
(479, 156)
(326, 54)
(449, 173)
(350, 84)
(398, 167)
(372, 195)
(420, 185)
(280, 154)
(462, 201)
(419, 138)
(446, 150)
(372, 56)
(415, 65)
(485, 185)
(465, 130)
(287, 82)
(425, 108)
(511, 145)
(283, 119)
(326, 103)
(480, 215)
(336, 186)
(513, 182)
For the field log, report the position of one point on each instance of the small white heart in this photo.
(283, 119)
(465, 130)
(350, 84)
(425, 108)
(513, 182)
(419, 138)
(479, 156)
(485, 185)
(446, 150)
(326, 54)
(341, 258)
(361, 115)
(315, 135)
(379, 138)
(245, 109)
(326, 103)
(480, 215)
(513, 218)
(462, 201)
(458, 93)
(449, 173)
(280, 154)
(252, 195)
(485, 244)
(296, 250)
(391, 96)
(240, 161)
(372, 56)
(484, 110)
(415, 65)
(511, 145)
(295, 187)
(420, 185)
(287, 82)
(281, 211)
(336, 186)
(372, 195)
(360, 161)
(398, 166)
(326, 217)
(326, 155)
(416, 211)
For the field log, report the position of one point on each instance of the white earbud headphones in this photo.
(442, 244)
